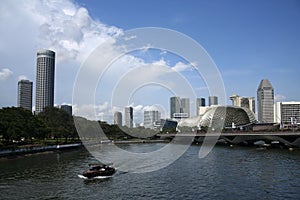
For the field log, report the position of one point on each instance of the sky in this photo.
(247, 40)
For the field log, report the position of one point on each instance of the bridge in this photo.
(288, 139)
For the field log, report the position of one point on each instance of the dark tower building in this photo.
(129, 117)
(200, 102)
(25, 94)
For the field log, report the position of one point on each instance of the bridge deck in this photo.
(193, 134)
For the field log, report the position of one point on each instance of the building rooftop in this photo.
(265, 83)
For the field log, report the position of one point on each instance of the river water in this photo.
(226, 173)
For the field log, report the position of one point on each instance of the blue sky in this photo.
(247, 40)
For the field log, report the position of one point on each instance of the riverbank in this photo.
(11, 152)
(29, 150)
(32, 150)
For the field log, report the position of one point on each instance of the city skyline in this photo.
(179, 107)
(252, 46)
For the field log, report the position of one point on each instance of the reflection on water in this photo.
(226, 173)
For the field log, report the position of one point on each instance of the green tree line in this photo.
(21, 126)
(18, 125)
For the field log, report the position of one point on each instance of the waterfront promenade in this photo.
(289, 139)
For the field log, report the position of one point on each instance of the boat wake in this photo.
(93, 178)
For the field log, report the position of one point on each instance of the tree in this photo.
(59, 123)
(16, 123)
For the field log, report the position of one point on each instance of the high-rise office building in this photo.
(174, 106)
(200, 102)
(45, 70)
(212, 100)
(265, 101)
(179, 108)
(67, 109)
(245, 102)
(25, 94)
(129, 117)
(287, 113)
(185, 106)
(150, 117)
(118, 118)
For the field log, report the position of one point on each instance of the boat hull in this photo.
(103, 172)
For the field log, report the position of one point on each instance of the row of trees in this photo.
(91, 130)
(18, 125)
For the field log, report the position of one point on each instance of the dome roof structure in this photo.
(224, 116)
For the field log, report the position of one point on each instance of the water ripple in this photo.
(226, 173)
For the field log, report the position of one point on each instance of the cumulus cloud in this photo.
(69, 30)
(105, 111)
(22, 77)
(5, 74)
(101, 111)
(180, 66)
(62, 26)
(279, 97)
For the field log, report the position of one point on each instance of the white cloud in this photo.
(22, 77)
(68, 29)
(62, 26)
(105, 111)
(5, 74)
(130, 38)
(180, 66)
(279, 97)
(92, 112)
(163, 52)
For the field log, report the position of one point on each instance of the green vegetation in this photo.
(112, 132)
(20, 127)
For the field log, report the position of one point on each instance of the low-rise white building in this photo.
(287, 113)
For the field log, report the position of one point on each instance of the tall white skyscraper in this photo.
(265, 101)
(45, 70)
(25, 94)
